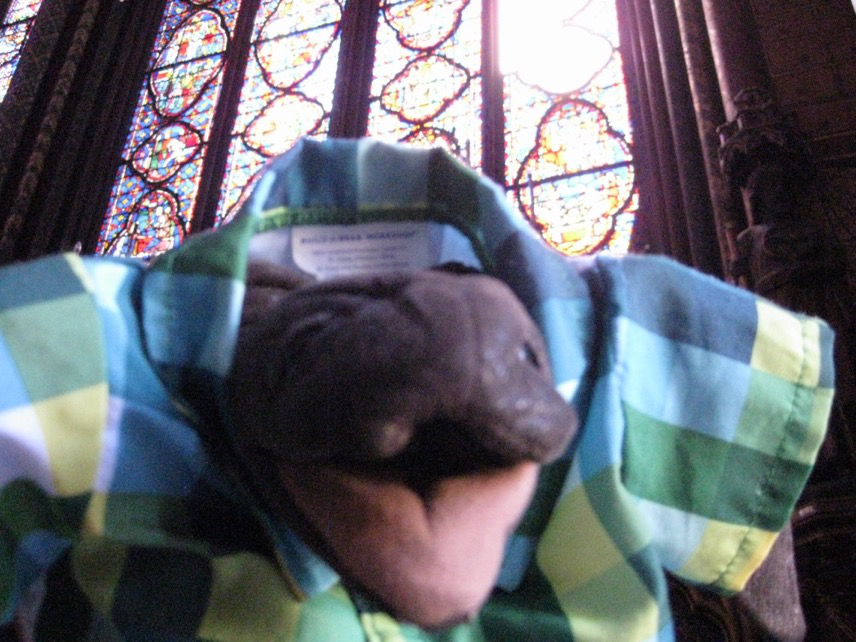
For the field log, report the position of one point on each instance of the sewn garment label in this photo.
(338, 250)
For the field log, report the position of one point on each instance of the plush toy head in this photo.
(398, 421)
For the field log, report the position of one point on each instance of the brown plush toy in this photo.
(400, 420)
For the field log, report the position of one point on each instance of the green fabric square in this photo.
(777, 419)
(769, 405)
(152, 520)
(597, 614)
(56, 345)
(26, 508)
(671, 465)
(161, 590)
(330, 615)
(531, 607)
(616, 511)
(759, 490)
(696, 473)
(221, 253)
(48, 278)
(550, 480)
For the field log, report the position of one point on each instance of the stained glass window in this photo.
(568, 145)
(554, 115)
(288, 88)
(426, 87)
(13, 34)
(287, 92)
(151, 206)
(567, 141)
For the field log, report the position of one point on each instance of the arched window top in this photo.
(562, 138)
(13, 35)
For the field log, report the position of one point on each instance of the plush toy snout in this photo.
(428, 370)
(397, 421)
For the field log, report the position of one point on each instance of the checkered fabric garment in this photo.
(702, 409)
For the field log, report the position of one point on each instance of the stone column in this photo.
(737, 52)
(707, 103)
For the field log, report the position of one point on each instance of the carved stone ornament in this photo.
(759, 134)
(774, 259)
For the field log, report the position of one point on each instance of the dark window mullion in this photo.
(493, 113)
(217, 150)
(135, 31)
(354, 74)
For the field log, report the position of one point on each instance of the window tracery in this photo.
(287, 91)
(564, 136)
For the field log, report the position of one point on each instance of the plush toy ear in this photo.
(267, 285)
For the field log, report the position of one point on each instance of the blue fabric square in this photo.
(684, 305)
(37, 282)
(312, 174)
(192, 320)
(158, 453)
(14, 393)
(602, 434)
(682, 384)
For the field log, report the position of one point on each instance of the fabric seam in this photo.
(764, 486)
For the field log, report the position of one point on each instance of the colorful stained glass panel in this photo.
(151, 207)
(13, 34)
(568, 155)
(427, 75)
(287, 91)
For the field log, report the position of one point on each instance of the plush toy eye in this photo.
(527, 353)
(456, 267)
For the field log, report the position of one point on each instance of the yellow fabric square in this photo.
(93, 521)
(614, 606)
(567, 564)
(380, 627)
(786, 346)
(248, 601)
(72, 425)
(727, 555)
